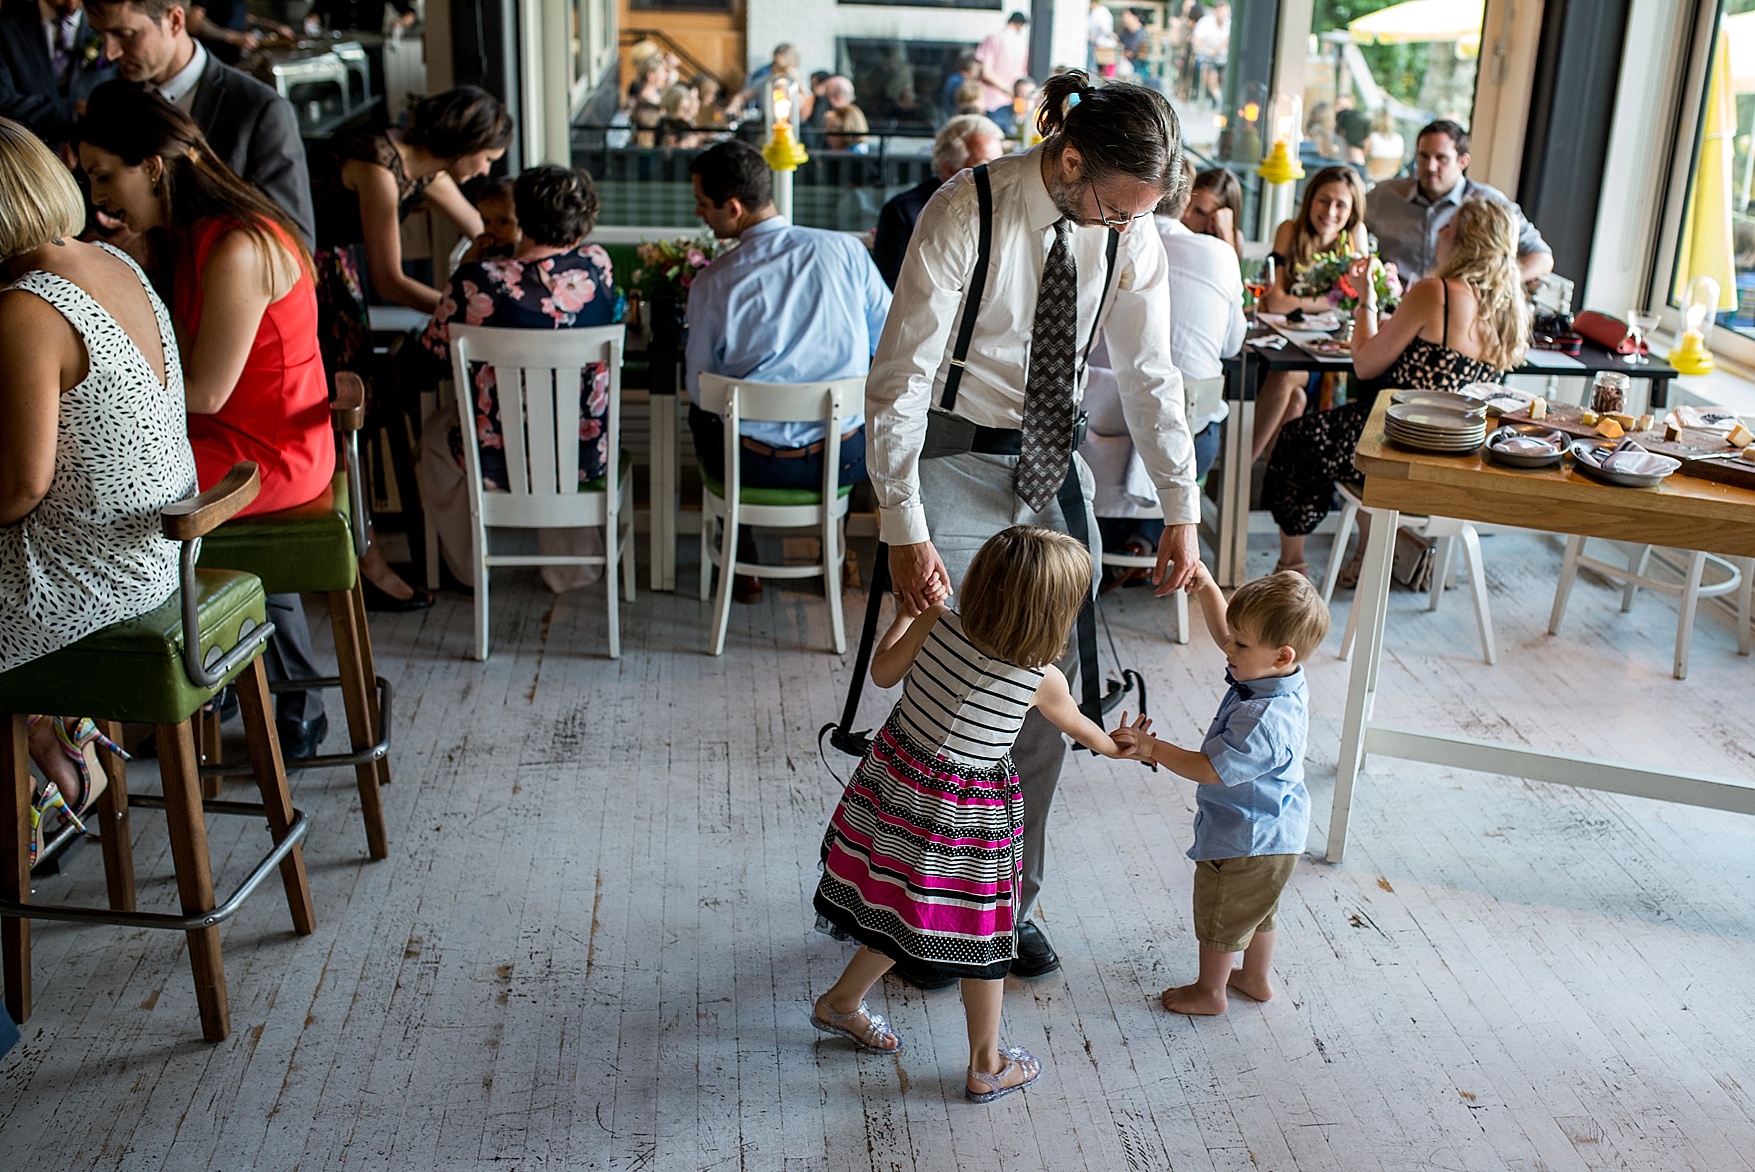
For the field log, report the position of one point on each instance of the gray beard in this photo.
(1065, 197)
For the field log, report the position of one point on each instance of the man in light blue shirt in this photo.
(787, 305)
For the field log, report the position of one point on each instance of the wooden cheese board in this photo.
(1704, 453)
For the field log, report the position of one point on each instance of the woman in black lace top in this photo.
(1468, 322)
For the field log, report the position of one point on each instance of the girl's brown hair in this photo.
(135, 124)
(1305, 243)
(1022, 593)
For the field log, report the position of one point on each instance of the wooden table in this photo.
(1682, 512)
(1243, 380)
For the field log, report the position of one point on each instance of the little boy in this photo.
(1252, 811)
(499, 222)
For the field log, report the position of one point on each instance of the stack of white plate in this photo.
(1434, 429)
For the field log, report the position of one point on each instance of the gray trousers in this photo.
(288, 657)
(968, 498)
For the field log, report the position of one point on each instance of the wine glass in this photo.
(1639, 323)
(1258, 281)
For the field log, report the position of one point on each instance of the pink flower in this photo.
(573, 290)
(505, 273)
(686, 280)
(696, 258)
(590, 429)
(479, 306)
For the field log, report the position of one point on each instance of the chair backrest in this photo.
(538, 376)
(828, 403)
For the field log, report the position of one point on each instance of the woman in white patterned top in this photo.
(93, 437)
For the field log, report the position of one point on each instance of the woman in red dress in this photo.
(245, 308)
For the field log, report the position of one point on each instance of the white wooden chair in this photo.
(730, 504)
(1448, 531)
(1201, 399)
(538, 373)
(1691, 589)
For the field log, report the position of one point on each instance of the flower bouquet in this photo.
(671, 266)
(1326, 276)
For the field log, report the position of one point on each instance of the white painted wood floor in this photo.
(591, 947)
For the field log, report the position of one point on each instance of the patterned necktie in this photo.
(63, 54)
(1048, 384)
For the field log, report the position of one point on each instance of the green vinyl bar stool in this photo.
(315, 549)
(159, 668)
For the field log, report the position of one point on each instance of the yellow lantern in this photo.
(783, 152)
(1693, 353)
(1285, 126)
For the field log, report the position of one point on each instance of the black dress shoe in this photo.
(299, 739)
(1036, 956)
(378, 600)
(920, 977)
(747, 589)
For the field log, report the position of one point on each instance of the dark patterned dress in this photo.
(341, 301)
(1316, 450)
(921, 857)
(569, 290)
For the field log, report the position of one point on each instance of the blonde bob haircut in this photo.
(1022, 593)
(39, 201)
(1281, 610)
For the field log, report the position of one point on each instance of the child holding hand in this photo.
(1252, 811)
(921, 858)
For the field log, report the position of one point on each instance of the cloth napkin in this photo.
(1509, 439)
(1630, 459)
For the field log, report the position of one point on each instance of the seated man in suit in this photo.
(788, 305)
(968, 140)
(50, 61)
(252, 128)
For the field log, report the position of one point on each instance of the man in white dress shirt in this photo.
(1000, 452)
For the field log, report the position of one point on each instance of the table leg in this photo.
(1372, 600)
(664, 487)
(1233, 549)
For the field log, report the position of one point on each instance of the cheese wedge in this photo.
(1589, 418)
(1749, 454)
(1609, 429)
(1740, 437)
(1624, 419)
(1538, 408)
(1672, 432)
(1646, 421)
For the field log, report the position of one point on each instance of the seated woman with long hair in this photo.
(1331, 215)
(245, 308)
(1215, 207)
(92, 444)
(553, 281)
(1468, 322)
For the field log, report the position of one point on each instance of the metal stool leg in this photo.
(15, 861)
(355, 691)
(188, 829)
(369, 669)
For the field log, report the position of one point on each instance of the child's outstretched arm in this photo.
(1136, 741)
(1206, 592)
(1054, 700)
(901, 643)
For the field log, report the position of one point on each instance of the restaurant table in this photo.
(1682, 512)
(1243, 380)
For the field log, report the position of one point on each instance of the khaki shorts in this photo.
(1236, 898)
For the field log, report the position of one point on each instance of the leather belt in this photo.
(762, 449)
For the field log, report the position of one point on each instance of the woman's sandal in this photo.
(846, 1025)
(51, 800)
(1349, 575)
(1292, 568)
(1014, 1056)
(80, 745)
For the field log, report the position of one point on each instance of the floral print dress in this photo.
(569, 290)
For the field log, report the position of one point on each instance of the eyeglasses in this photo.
(1119, 224)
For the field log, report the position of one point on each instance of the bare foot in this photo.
(1193, 999)
(1261, 990)
(378, 571)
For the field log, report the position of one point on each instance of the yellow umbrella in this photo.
(1421, 20)
(1707, 248)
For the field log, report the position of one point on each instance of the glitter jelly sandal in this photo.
(846, 1025)
(1014, 1056)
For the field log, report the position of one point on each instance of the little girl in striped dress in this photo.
(921, 857)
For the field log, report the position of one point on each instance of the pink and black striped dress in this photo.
(921, 857)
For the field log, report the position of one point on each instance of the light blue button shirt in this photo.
(1256, 743)
(787, 305)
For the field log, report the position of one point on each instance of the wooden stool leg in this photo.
(270, 770)
(354, 691)
(182, 783)
(15, 859)
(115, 833)
(369, 669)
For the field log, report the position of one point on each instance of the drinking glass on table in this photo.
(1639, 323)
(1258, 279)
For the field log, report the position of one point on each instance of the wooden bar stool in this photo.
(315, 549)
(159, 668)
